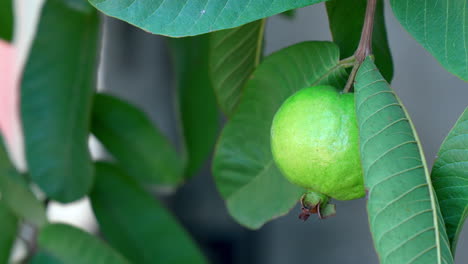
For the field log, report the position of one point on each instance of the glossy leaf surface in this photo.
(193, 17)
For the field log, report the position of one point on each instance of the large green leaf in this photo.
(404, 216)
(197, 103)
(136, 224)
(441, 27)
(346, 29)
(9, 226)
(450, 177)
(6, 20)
(43, 258)
(193, 17)
(15, 193)
(132, 139)
(71, 245)
(243, 166)
(57, 91)
(235, 53)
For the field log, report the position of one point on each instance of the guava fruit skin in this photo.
(314, 142)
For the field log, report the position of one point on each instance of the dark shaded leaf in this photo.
(57, 91)
(198, 111)
(6, 20)
(16, 194)
(135, 142)
(9, 227)
(136, 224)
(70, 245)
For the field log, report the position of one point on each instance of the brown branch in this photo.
(365, 43)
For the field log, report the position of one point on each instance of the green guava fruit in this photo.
(314, 141)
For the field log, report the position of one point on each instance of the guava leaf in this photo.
(450, 177)
(43, 258)
(71, 245)
(9, 224)
(56, 99)
(193, 17)
(243, 166)
(16, 194)
(404, 216)
(136, 224)
(128, 134)
(6, 20)
(346, 30)
(197, 103)
(439, 26)
(235, 53)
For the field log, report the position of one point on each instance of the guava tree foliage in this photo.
(415, 215)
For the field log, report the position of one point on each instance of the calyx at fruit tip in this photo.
(316, 203)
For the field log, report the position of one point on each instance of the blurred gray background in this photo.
(136, 66)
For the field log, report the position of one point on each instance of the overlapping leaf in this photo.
(136, 224)
(243, 167)
(57, 91)
(9, 227)
(6, 20)
(71, 245)
(346, 27)
(235, 53)
(197, 102)
(404, 216)
(16, 195)
(194, 17)
(450, 178)
(133, 140)
(439, 26)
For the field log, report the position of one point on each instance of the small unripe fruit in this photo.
(314, 141)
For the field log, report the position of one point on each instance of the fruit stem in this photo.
(364, 48)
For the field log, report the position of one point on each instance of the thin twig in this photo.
(364, 48)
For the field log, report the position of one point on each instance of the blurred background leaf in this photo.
(136, 224)
(14, 193)
(450, 178)
(234, 55)
(71, 245)
(439, 26)
(9, 226)
(129, 135)
(6, 20)
(197, 103)
(243, 166)
(56, 97)
(194, 17)
(404, 216)
(346, 18)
